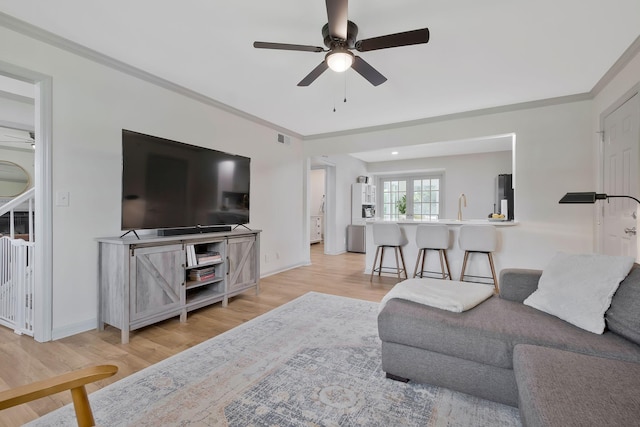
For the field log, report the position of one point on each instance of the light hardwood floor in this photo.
(22, 360)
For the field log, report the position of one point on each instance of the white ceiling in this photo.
(481, 54)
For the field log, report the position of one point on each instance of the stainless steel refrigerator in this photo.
(356, 238)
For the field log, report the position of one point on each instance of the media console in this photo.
(147, 280)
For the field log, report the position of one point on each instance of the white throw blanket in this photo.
(448, 295)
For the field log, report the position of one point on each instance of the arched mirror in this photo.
(14, 179)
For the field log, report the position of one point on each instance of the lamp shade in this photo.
(588, 197)
(339, 59)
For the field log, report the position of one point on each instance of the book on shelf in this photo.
(209, 256)
(191, 256)
(202, 271)
(203, 277)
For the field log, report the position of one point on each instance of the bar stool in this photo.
(479, 239)
(432, 237)
(387, 235)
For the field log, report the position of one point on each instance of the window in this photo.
(413, 197)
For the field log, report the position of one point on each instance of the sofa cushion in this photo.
(623, 317)
(578, 288)
(488, 332)
(560, 388)
(516, 284)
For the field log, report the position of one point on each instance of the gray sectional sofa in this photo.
(505, 351)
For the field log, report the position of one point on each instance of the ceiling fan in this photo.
(340, 38)
(19, 139)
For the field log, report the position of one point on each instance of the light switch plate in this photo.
(62, 198)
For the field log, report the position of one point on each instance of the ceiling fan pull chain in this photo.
(345, 87)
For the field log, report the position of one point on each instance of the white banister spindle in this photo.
(16, 285)
(17, 281)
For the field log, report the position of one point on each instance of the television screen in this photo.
(169, 184)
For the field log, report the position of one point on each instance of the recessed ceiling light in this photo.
(394, 153)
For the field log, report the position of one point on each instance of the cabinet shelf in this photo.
(203, 293)
(192, 284)
(204, 264)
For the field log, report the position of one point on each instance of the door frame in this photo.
(43, 108)
(329, 219)
(599, 207)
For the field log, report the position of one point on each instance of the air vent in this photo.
(284, 139)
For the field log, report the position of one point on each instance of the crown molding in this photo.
(47, 37)
(622, 62)
(457, 116)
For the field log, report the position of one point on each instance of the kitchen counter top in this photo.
(498, 223)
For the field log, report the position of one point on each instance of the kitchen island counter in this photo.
(477, 264)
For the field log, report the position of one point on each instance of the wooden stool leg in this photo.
(404, 267)
(464, 265)
(441, 263)
(415, 271)
(373, 268)
(395, 250)
(381, 260)
(493, 273)
(446, 261)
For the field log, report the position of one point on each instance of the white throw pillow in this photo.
(578, 288)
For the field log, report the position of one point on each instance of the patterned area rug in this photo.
(312, 362)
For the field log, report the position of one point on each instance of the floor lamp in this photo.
(589, 197)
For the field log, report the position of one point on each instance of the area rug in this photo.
(312, 362)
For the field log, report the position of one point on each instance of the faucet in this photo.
(462, 196)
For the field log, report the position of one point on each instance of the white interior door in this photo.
(621, 158)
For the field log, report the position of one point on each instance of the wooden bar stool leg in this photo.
(404, 267)
(441, 263)
(415, 271)
(375, 261)
(493, 273)
(381, 260)
(464, 265)
(395, 250)
(446, 261)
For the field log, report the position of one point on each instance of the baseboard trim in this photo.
(280, 270)
(73, 329)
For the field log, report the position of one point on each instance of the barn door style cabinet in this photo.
(144, 281)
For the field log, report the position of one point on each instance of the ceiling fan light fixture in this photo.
(339, 59)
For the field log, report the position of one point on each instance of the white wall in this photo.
(15, 113)
(553, 155)
(317, 177)
(472, 174)
(91, 105)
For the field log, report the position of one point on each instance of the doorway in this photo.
(42, 128)
(328, 204)
(620, 164)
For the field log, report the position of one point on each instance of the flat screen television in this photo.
(169, 184)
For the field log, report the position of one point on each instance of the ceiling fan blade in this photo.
(406, 38)
(314, 74)
(368, 72)
(19, 138)
(337, 15)
(286, 46)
